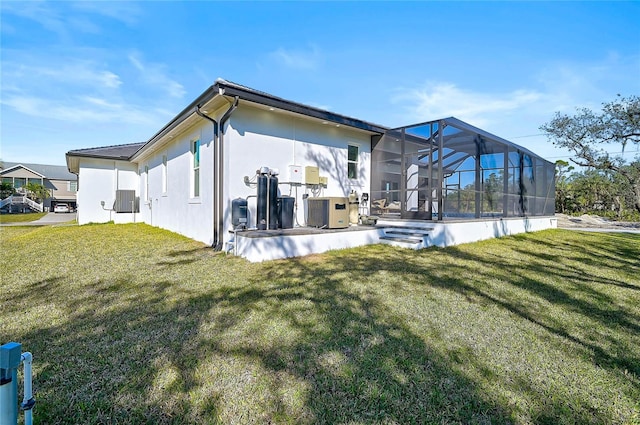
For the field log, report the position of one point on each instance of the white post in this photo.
(28, 401)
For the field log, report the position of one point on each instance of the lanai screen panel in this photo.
(448, 169)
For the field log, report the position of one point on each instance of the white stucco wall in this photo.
(442, 234)
(176, 208)
(98, 181)
(256, 137)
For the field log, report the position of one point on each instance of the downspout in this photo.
(218, 172)
(215, 138)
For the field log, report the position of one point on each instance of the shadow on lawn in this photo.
(583, 295)
(152, 353)
(296, 341)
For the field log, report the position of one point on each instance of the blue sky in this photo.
(86, 74)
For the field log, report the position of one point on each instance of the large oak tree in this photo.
(587, 133)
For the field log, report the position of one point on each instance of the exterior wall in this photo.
(98, 181)
(254, 137)
(23, 173)
(258, 137)
(441, 235)
(175, 208)
(60, 189)
(277, 247)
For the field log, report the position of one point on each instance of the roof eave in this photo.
(225, 88)
(286, 105)
(205, 97)
(6, 170)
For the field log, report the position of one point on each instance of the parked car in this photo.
(61, 208)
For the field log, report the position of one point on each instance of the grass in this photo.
(132, 324)
(21, 218)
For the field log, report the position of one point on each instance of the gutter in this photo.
(218, 172)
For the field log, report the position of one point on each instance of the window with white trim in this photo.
(195, 168)
(72, 186)
(352, 162)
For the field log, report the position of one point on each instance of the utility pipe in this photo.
(28, 401)
(218, 171)
(213, 202)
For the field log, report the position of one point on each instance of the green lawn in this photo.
(132, 324)
(20, 218)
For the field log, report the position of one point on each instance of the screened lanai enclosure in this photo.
(448, 169)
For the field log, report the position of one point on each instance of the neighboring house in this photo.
(62, 184)
(187, 175)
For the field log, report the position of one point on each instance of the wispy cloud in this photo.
(443, 99)
(65, 19)
(307, 59)
(76, 72)
(555, 87)
(40, 12)
(123, 11)
(154, 74)
(82, 109)
(517, 114)
(77, 91)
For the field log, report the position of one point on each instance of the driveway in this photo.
(592, 223)
(51, 219)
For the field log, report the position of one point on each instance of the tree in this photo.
(586, 132)
(37, 191)
(591, 190)
(562, 185)
(493, 188)
(6, 190)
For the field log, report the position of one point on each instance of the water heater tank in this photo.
(261, 209)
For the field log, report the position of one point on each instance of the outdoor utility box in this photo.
(286, 206)
(239, 213)
(329, 212)
(10, 359)
(311, 175)
(295, 174)
(10, 354)
(324, 181)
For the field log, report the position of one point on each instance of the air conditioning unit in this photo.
(127, 201)
(329, 213)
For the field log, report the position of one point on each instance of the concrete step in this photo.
(405, 237)
(407, 233)
(417, 228)
(407, 240)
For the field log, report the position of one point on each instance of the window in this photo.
(34, 181)
(195, 153)
(352, 162)
(72, 186)
(164, 173)
(19, 182)
(146, 182)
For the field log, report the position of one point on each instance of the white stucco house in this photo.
(428, 178)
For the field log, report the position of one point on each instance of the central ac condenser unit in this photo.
(330, 212)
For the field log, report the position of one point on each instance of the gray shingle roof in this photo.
(51, 172)
(109, 152)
